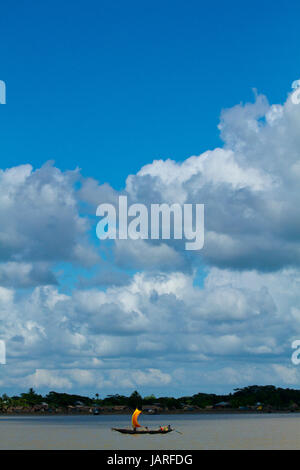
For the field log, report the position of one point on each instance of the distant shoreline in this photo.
(248, 400)
(162, 413)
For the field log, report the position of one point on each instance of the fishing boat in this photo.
(145, 430)
(142, 431)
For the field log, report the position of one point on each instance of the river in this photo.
(227, 431)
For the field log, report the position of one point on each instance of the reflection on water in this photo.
(272, 431)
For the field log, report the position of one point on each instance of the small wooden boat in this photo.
(142, 431)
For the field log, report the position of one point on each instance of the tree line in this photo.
(278, 398)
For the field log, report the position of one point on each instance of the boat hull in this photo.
(142, 431)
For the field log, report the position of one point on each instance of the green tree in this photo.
(135, 400)
(31, 397)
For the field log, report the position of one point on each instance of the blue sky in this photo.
(110, 86)
(114, 90)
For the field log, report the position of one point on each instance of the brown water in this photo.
(270, 431)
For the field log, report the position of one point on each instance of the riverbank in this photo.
(166, 412)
